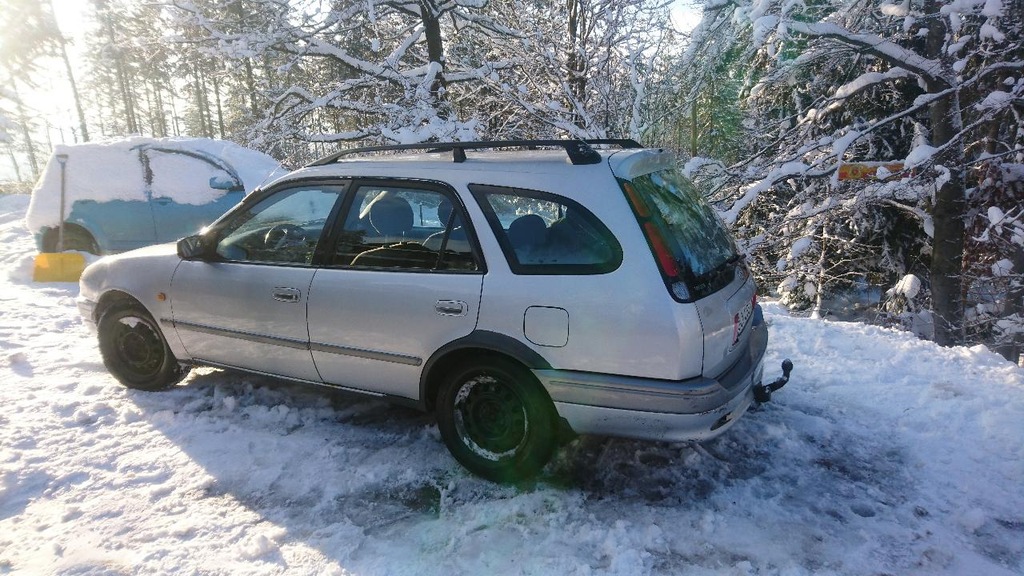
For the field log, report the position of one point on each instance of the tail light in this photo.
(659, 247)
(666, 261)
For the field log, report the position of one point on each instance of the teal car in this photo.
(128, 194)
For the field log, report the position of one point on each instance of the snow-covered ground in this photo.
(884, 455)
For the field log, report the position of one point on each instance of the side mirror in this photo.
(191, 248)
(228, 184)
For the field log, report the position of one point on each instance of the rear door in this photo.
(246, 306)
(118, 225)
(403, 278)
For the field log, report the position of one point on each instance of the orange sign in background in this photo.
(867, 170)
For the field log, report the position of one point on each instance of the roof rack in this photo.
(579, 151)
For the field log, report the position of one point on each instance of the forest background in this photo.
(764, 102)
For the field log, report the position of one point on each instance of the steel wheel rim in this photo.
(490, 418)
(138, 346)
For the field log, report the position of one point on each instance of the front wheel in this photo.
(496, 420)
(135, 352)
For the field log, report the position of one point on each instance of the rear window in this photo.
(697, 238)
(544, 233)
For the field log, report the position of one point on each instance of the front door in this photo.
(245, 304)
(402, 279)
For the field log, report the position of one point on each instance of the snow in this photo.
(909, 286)
(992, 8)
(896, 10)
(800, 245)
(885, 454)
(919, 155)
(751, 193)
(868, 79)
(108, 171)
(997, 99)
(1003, 267)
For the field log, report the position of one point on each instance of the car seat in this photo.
(457, 240)
(391, 217)
(525, 234)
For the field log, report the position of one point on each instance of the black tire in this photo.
(134, 350)
(496, 419)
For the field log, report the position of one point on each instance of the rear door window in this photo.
(406, 228)
(543, 233)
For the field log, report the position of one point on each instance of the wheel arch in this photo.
(476, 345)
(116, 298)
(49, 236)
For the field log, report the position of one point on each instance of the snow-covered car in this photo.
(126, 194)
(519, 293)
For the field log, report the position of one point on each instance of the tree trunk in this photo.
(82, 127)
(220, 109)
(26, 133)
(131, 123)
(202, 104)
(14, 162)
(693, 128)
(575, 61)
(948, 213)
(435, 47)
(161, 115)
(250, 84)
(819, 298)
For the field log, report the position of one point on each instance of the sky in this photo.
(51, 101)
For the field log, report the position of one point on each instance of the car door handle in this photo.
(451, 307)
(287, 294)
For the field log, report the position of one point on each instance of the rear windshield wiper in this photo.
(721, 269)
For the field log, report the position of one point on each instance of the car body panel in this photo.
(214, 305)
(117, 225)
(173, 220)
(623, 298)
(143, 275)
(380, 326)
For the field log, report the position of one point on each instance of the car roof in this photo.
(627, 164)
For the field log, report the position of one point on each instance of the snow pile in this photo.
(909, 286)
(884, 455)
(108, 171)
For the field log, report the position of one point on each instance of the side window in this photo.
(184, 178)
(404, 228)
(543, 233)
(282, 228)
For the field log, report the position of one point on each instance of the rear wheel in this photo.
(496, 419)
(75, 238)
(134, 350)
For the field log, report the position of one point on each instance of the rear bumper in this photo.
(693, 409)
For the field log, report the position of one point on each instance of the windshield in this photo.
(697, 237)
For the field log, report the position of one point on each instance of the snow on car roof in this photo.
(112, 170)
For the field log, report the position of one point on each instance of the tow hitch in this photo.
(763, 392)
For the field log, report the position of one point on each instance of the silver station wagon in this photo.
(520, 290)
